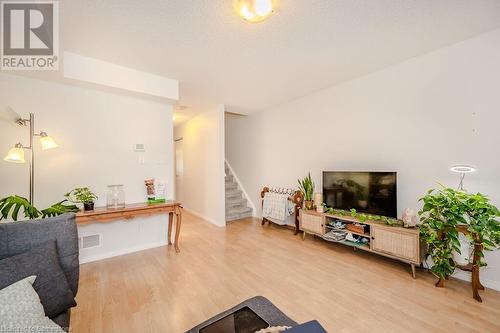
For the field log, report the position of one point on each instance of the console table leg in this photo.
(178, 222)
(170, 225)
(413, 273)
(303, 235)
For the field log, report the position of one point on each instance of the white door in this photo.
(179, 169)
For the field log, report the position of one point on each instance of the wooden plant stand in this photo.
(471, 267)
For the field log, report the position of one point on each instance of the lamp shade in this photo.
(47, 142)
(15, 155)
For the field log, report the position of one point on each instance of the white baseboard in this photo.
(121, 252)
(466, 276)
(199, 215)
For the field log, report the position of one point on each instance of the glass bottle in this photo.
(116, 197)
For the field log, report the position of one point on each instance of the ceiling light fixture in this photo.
(254, 10)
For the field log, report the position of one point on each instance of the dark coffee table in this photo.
(261, 306)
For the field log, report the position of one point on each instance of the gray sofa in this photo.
(19, 237)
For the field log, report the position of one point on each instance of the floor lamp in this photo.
(16, 154)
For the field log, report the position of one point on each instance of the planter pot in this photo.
(309, 204)
(88, 206)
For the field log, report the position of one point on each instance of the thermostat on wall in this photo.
(139, 147)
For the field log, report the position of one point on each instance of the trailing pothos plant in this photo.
(362, 217)
(443, 211)
(12, 205)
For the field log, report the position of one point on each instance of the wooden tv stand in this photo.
(395, 242)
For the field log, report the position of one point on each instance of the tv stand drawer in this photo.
(395, 242)
(312, 223)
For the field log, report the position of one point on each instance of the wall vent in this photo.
(86, 242)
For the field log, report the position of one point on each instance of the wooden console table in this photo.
(102, 214)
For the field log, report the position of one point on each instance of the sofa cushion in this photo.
(51, 284)
(19, 237)
(21, 311)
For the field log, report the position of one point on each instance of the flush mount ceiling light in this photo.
(254, 10)
(462, 168)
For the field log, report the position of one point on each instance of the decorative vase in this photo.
(88, 206)
(115, 197)
(309, 204)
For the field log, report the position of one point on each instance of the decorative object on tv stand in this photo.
(84, 196)
(409, 218)
(115, 198)
(318, 201)
(16, 154)
(447, 212)
(11, 206)
(306, 186)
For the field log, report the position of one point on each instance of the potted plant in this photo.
(445, 213)
(306, 186)
(82, 195)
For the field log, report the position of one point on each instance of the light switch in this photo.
(139, 147)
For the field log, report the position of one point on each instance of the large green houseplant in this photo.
(12, 205)
(306, 186)
(445, 211)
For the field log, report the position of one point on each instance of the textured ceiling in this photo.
(306, 46)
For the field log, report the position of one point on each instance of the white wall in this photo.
(202, 184)
(96, 132)
(417, 118)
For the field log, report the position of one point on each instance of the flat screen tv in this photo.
(367, 192)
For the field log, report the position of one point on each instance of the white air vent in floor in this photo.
(86, 242)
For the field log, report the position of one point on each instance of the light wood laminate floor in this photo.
(158, 290)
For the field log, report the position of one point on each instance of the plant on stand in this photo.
(84, 196)
(446, 213)
(306, 186)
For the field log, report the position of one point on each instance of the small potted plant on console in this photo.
(306, 186)
(84, 196)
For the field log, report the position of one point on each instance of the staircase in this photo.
(236, 203)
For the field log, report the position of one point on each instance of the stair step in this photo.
(238, 209)
(234, 194)
(229, 178)
(231, 186)
(237, 216)
(233, 202)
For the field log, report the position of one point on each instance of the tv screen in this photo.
(367, 192)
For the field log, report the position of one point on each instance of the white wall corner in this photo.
(222, 169)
